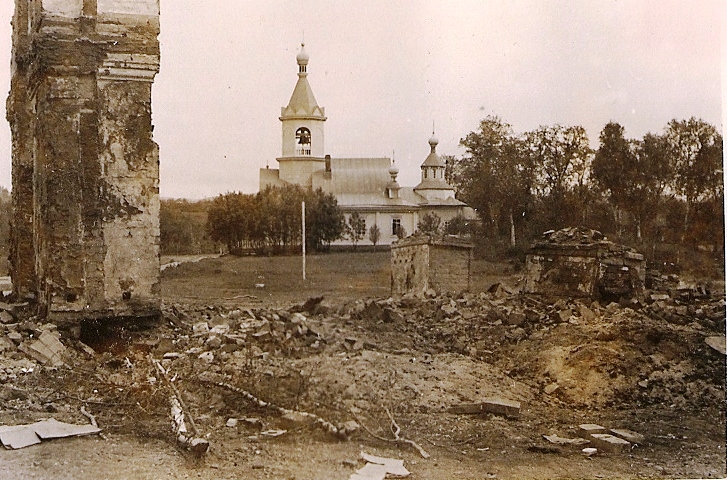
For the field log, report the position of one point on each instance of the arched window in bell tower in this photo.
(302, 141)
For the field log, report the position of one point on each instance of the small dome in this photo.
(393, 169)
(433, 141)
(302, 57)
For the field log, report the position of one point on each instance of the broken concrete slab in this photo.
(629, 435)
(500, 406)
(497, 406)
(20, 436)
(465, 409)
(370, 471)
(586, 429)
(609, 443)
(558, 440)
(52, 428)
(391, 466)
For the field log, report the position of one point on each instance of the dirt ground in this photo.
(238, 326)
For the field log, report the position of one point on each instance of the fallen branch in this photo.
(396, 431)
(91, 418)
(193, 442)
(341, 431)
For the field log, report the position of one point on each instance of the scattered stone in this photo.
(564, 315)
(220, 329)
(47, 350)
(516, 318)
(586, 313)
(6, 317)
(589, 451)
(214, 342)
(231, 422)
(609, 443)
(201, 327)
(6, 343)
(550, 389)
(718, 343)
(208, 357)
(86, 349)
(16, 337)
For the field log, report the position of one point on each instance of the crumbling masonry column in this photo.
(85, 226)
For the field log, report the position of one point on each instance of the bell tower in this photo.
(303, 124)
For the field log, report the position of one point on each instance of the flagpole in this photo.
(303, 242)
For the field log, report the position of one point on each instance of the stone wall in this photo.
(85, 227)
(421, 263)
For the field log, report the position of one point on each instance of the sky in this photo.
(387, 72)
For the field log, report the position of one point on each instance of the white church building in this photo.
(364, 185)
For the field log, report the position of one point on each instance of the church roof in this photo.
(355, 176)
(302, 102)
(433, 160)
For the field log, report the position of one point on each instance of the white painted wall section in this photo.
(129, 7)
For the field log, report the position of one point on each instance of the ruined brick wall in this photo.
(409, 268)
(449, 268)
(605, 271)
(562, 273)
(85, 228)
(422, 263)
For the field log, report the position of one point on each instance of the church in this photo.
(364, 185)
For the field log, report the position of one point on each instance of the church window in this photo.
(395, 225)
(302, 141)
(361, 230)
(425, 172)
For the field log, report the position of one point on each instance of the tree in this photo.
(560, 158)
(429, 224)
(457, 226)
(324, 220)
(696, 149)
(615, 170)
(495, 175)
(355, 229)
(374, 234)
(271, 219)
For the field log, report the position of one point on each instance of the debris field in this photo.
(429, 376)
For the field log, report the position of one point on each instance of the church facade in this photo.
(365, 185)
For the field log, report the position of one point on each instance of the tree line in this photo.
(270, 220)
(663, 188)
